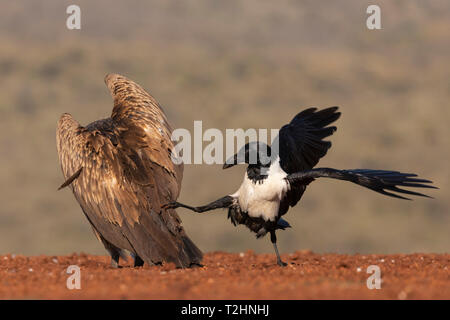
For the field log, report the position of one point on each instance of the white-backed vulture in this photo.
(121, 172)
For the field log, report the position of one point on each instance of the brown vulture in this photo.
(121, 172)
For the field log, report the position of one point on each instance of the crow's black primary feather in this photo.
(301, 145)
(381, 181)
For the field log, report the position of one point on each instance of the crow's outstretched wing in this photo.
(301, 144)
(389, 183)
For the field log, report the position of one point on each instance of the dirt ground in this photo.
(230, 276)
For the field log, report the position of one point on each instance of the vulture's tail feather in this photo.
(192, 251)
(161, 238)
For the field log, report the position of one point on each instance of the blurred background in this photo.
(234, 64)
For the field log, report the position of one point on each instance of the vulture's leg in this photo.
(115, 256)
(114, 251)
(223, 202)
(138, 262)
(273, 239)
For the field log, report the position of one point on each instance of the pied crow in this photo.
(277, 176)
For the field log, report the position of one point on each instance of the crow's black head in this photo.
(255, 154)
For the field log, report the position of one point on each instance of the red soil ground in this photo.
(230, 276)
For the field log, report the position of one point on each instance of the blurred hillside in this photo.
(232, 64)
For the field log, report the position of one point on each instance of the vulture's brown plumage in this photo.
(121, 172)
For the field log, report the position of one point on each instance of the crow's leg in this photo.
(223, 202)
(138, 262)
(273, 239)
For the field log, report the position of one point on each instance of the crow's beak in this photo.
(227, 165)
(230, 162)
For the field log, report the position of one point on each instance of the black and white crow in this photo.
(277, 176)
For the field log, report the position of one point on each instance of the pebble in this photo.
(402, 295)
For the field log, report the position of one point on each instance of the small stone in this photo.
(358, 269)
(402, 295)
(241, 254)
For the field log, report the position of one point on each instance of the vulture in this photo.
(121, 171)
(277, 175)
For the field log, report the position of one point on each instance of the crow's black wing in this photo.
(127, 174)
(381, 181)
(301, 145)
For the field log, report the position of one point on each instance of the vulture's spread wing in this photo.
(127, 174)
(301, 145)
(144, 128)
